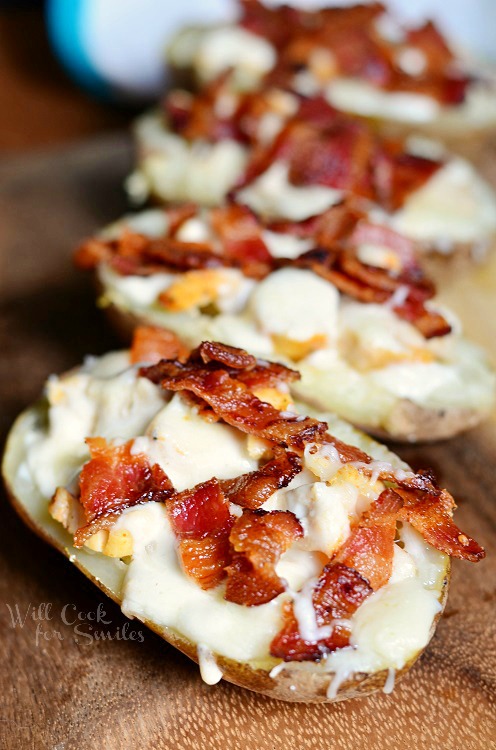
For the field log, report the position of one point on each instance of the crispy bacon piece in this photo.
(202, 522)
(134, 254)
(337, 156)
(431, 515)
(114, 479)
(369, 548)
(366, 233)
(230, 356)
(197, 116)
(337, 595)
(258, 539)
(323, 147)
(232, 401)
(253, 489)
(432, 44)
(397, 174)
(241, 236)
(205, 559)
(199, 511)
(372, 284)
(151, 344)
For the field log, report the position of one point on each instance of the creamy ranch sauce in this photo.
(366, 358)
(387, 630)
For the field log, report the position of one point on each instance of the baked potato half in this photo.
(367, 347)
(441, 203)
(245, 542)
(362, 60)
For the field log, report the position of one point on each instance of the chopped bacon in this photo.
(199, 511)
(201, 520)
(428, 40)
(369, 548)
(358, 49)
(241, 236)
(253, 489)
(372, 284)
(232, 400)
(197, 117)
(151, 344)
(114, 479)
(258, 539)
(135, 254)
(205, 559)
(431, 515)
(397, 174)
(325, 148)
(380, 235)
(229, 356)
(337, 595)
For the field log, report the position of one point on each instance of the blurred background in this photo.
(73, 68)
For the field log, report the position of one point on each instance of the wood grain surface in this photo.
(63, 688)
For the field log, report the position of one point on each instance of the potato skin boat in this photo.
(307, 685)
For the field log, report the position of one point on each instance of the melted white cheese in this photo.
(273, 197)
(191, 450)
(455, 205)
(210, 52)
(285, 245)
(297, 304)
(362, 98)
(105, 399)
(176, 170)
(210, 672)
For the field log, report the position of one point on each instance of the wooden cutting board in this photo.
(63, 688)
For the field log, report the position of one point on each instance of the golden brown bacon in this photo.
(240, 234)
(202, 522)
(258, 539)
(370, 547)
(336, 234)
(324, 147)
(337, 595)
(114, 479)
(432, 515)
(253, 489)
(233, 401)
(371, 284)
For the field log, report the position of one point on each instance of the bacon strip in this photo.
(258, 539)
(337, 595)
(201, 520)
(232, 401)
(370, 547)
(431, 515)
(253, 489)
(371, 284)
(114, 479)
